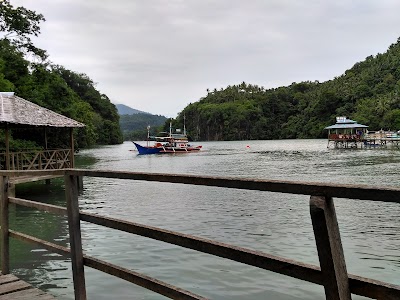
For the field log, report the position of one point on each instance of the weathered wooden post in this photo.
(330, 250)
(5, 242)
(72, 148)
(71, 192)
(7, 141)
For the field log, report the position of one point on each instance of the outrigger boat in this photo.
(167, 143)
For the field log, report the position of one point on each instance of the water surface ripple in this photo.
(275, 223)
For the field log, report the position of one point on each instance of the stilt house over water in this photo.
(346, 133)
(15, 113)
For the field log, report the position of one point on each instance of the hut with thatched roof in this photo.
(16, 112)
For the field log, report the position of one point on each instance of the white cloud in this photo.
(158, 56)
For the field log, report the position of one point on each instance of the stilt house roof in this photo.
(343, 122)
(16, 111)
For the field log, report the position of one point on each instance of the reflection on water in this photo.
(278, 224)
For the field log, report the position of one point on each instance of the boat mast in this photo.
(184, 124)
(148, 134)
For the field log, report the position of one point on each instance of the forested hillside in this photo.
(54, 87)
(369, 92)
(134, 127)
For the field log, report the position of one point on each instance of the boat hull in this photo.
(162, 150)
(147, 150)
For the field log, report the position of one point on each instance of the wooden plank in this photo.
(365, 192)
(147, 282)
(50, 160)
(45, 244)
(373, 289)
(250, 257)
(71, 191)
(330, 250)
(8, 278)
(13, 287)
(4, 222)
(7, 141)
(24, 179)
(358, 285)
(28, 294)
(38, 205)
(72, 145)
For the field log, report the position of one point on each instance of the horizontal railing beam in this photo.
(147, 282)
(38, 205)
(373, 289)
(39, 242)
(358, 285)
(250, 257)
(364, 192)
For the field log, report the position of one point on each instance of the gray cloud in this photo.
(158, 56)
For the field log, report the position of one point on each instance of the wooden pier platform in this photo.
(11, 287)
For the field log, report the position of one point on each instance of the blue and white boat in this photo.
(167, 142)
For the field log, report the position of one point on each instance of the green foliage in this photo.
(369, 92)
(134, 127)
(54, 87)
(18, 24)
(16, 144)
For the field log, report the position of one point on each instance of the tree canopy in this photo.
(134, 127)
(369, 92)
(52, 86)
(18, 24)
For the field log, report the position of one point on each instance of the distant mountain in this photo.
(134, 127)
(140, 121)
(126, 110)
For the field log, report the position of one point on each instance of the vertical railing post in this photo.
(330, 250)
(71, 192)
(72, 149)
(5, 241)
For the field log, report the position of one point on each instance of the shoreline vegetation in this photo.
(369, 92)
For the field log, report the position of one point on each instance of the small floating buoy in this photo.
(247, 146)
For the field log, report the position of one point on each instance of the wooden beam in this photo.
(330, 250)
(45, 138)
(71, 191)
(5, 241)
(7, 141)
(364, 192)
(72, 154)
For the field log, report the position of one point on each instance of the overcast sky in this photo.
(160, 55)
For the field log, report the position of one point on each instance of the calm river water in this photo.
(275, 223)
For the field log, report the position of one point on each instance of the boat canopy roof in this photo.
(343, 123)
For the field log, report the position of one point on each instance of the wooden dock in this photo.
(11, 287)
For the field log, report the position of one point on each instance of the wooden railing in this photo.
(345, 137)
(37, 160)
(332, 274)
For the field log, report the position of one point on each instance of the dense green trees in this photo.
(369, 92)
(54, 87)
(134, 127)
